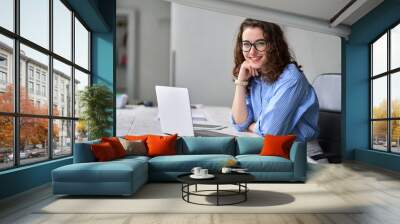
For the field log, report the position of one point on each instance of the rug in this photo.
(167, 198)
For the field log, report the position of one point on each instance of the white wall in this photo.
(152, 45)
(203, 42)
(317, 53)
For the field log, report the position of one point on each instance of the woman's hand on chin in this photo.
(246, 72)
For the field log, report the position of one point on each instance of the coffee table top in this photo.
(220, 178)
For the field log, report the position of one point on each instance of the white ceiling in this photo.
(319, 9)
(313, 15)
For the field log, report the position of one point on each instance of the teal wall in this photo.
(24, 178)
(103, 53)
(356, 84)
(99, 16)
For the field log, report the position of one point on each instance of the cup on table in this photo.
(226, 170)
(203, 172)
(196, 171)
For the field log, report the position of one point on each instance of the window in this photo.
(385, 94)
(7, 14)
(34, 21)
(38, 89)
(3, 61)
(30, 87)
(37, 74)
(6, 73)
(30, 72)
(41, 83)
(44, 91)
(62, 74)
(3, 78)
(62, 29)
(81, 45)
(3, 72)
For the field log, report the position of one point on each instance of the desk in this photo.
(137, 120)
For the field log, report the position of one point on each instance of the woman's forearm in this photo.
(239, 110)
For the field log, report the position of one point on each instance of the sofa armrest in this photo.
(298, 155)
(83, 152)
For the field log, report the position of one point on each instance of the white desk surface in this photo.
(137, 120)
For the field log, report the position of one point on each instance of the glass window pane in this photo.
(35, 21)
(6, 74)
(379, 98)
(62, 89)
(395, 136)
(7, 14)
(81, 81)
(6, 142)
(81, 45)
(81, 132)
(34, 97)
(62, 29)
(33, 139)
(379, 55)
(379, 135)
(395, 47)
(395, 95)
(62, 138)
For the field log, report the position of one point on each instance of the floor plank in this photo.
(376, 189)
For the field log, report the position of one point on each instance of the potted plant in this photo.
(96, 103)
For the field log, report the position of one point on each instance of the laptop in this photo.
(175, 114)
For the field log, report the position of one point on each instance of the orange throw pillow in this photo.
(277, 145)
(103, 152)
(116, 145)
(136, 137)
(161, 145)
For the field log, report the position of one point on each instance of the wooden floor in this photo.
(377, 188)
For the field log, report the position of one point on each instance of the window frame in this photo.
(388, 74)
(16, 114)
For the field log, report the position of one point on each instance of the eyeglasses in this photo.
(259, 45)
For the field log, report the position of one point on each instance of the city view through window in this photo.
(385, 82)
(39, 113)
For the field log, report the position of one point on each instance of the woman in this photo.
(272, 95)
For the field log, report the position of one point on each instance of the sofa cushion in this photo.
(185, 163)
(83, 152)
(257, 163)
(116, 145)
(103, 152)
(135, 147)
(159, 145)
(136, 137)
(111, 171)
(277, 145)
(207, 145)
(249, 145)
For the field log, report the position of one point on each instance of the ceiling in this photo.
(319, 9)
(333, 17)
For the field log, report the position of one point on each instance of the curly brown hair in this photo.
(278, 55)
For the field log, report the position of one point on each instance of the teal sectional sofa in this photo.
(125, 176)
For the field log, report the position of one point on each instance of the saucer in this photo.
(208, 176)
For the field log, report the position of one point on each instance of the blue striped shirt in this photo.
(287, 106)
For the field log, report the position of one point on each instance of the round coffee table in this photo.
(238, 179)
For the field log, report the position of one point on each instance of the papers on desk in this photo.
(196, 116)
